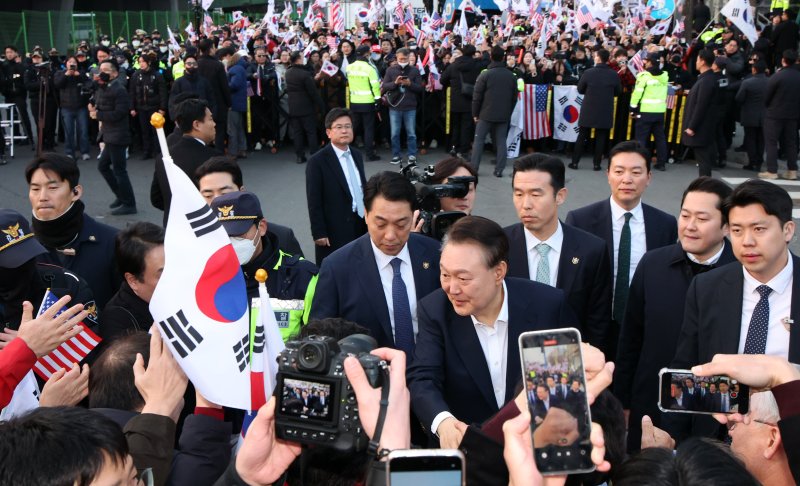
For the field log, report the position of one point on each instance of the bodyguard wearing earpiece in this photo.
(73, 239)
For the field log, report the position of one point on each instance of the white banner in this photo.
(200, 302)
(566, 110)
(25, 398)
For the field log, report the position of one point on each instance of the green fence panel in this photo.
(11, 29)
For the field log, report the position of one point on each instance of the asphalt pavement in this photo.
(280, 185)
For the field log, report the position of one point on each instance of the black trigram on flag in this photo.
(563, 100)
(561, 127)
(258, 339)
(579, 100)
(203, 221)
(576, 129)
(735, 12)
(184, 338)
(241, 351)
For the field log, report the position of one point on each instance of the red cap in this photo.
(376, 49)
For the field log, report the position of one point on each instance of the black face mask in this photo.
(190, 70)
(104, 77)
(15, 284)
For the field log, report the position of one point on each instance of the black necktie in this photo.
(623, 270)
(756, 342)
(403, 326)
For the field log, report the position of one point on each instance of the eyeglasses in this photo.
(732, 425)
(342, 127)
(261, 55)
(190, 64)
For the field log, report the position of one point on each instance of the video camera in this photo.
(316, 403)
(437, 222)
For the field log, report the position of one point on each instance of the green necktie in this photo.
(623, 270)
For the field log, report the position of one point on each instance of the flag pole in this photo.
(157, 121)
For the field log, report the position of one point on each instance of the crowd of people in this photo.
(711, 291)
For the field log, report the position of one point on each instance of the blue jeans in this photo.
(76, 118)
(399, 119)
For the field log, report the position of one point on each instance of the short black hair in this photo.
(483, 232)
(603, 54)
(760, 66)
(59, 445)
(12, 47)
(221, 163)
(190, 111)
(102, 49)
(629, 147)
(392, 186)
(205, 46)
(295, 56)
(772, 197)
(111, 62)
(497, 54)
(542, 163)
(132, 244)
(711, 186)
(789, 56)
(707, 55)
(111, 383)
(695, 461)
(63, 166)
(335, 114)
(468, 50)
(445, 168)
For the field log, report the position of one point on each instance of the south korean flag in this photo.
(200, 302)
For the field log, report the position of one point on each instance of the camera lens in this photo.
(312, 356)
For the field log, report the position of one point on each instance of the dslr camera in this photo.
(437, 222)
(316, 403)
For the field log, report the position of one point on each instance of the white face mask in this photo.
(244, 248)
(402, 64)
(162, 48)
(105, 43)
(136, 44)
(123, 45)
(376, 57)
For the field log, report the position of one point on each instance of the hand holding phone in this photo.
(426, 467)
(682, 391)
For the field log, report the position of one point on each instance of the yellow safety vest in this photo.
(363, 83)
(650, 92)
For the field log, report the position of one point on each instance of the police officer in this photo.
(13, 88)
(22, 278)
(648, 105)
(292, 280)
(148, 93)
(365, 91)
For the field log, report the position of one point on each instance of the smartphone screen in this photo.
(425, 467)
(555, 385)
(682, 391)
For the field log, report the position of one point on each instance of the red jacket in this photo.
(16, 360)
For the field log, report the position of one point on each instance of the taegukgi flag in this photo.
(200, 302)
(566, 110)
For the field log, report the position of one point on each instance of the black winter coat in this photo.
(302, 91)
(466, 69)
(12, 83)
(69, 89)
(782, 97)
(113, 109)
(148, 90)
(699, 112)
(750, 98)
(214, 72)
(192, 83)
(495, 94)
(598, 85)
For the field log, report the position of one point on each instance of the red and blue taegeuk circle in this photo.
(221, 293)
(571, 114)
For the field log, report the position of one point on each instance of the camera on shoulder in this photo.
(316, 403)
(437, 222)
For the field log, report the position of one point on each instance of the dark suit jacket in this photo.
(598, 85)
(213, 71)
(699, 113)
(330, 205)
(539, 408)
(649, 333)
(782, 98)
(584, 274)
(716, 402)
(449, 371)
(713, 316)
(349, 284)
(286, 239)
(188, 154)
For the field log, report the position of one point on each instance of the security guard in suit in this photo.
(291, 280)
(364, 87)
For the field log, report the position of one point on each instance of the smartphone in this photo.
(683, 392)
(425, 467)
(555, 385)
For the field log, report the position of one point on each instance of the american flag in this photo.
(636, 63)
(397, 16)
(584, 15)
(436, 21)
(671, 98)
(408, 22)
(337, 18)
(70, 352)
(537, 122)
(333, 42)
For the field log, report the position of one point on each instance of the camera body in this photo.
(437, 221)
(316, 403)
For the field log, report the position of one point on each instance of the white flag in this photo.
(329, 68)
(566, 110)
(200, 302)
(462, 29)
(207, 3)
(345, 63)
(661, 27)
(24, 399)
(517, 123)
(739, 12)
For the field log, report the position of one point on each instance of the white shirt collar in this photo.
(714, 259)
(383, 260)
(201, 142)
(554, 242)
(339, 152)
(779, 282)
(618, 212)
(502, 317)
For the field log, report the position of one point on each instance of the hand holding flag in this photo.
(53, 325)
(163, 383)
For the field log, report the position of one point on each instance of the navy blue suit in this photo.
(93, 259)
(449, 371)
(661, 229)
(349, 284)
(584, 274)
(650, 330)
